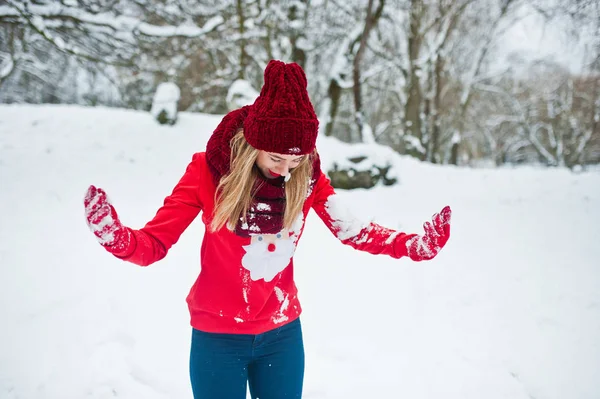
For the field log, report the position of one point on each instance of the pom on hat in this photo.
(282, 119)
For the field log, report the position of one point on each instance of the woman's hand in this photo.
(103, 221)
(437, 233)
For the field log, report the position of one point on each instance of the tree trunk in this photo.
(454, 152)
(434, 154)
(8, 70)
(412, 123)
(334, 92)
(269, 29)
(435, 119)
(298, 53)
(427, 117)
(468, 94)
(242, 31)
(370, 21)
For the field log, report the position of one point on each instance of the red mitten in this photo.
(103, 221)
(437, 233)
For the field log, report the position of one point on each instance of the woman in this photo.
(255, 183)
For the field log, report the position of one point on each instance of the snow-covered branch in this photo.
(482, 53)
(53, 11)
(100, 37)
(7, 65)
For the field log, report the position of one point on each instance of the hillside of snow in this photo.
(509, 309)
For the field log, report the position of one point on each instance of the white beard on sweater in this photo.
(262, 263)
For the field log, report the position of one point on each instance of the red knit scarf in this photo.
(265, 215)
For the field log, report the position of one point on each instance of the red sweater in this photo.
(246, 284)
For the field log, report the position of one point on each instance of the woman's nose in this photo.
(283, 170)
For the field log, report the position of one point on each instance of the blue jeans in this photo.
(272, 364)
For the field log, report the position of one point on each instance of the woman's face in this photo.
(273, 165)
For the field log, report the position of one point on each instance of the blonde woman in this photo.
(255, 184)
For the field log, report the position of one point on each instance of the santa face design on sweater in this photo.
(268, 254)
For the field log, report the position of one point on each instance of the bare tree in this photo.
(102, 32)
(370, 22)
(547, 117)
(418, 75)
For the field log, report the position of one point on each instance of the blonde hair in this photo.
(236, 190)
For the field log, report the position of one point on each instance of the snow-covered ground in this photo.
(509, 309)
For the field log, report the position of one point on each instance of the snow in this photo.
(279, 294)
(6, 67)
(367, 134)
(241, 93)
(509, 309)
(347, 225)
(166, 99)
(414, 143)
(421, 247)
(339, 64)
(283, 298)
(392, 237)
(455, 137)
(181, 30)
(262, 207)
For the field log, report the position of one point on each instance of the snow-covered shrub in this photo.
(354, 176)
(164, 104)
(240, 93)
(359, 165)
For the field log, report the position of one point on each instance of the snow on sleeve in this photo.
(391, 238)
(364, 236)
(346, 225)
(350, 230)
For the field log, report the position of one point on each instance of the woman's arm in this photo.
(376, 239)
(152, 242)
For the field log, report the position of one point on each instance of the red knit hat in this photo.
(282, 119)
